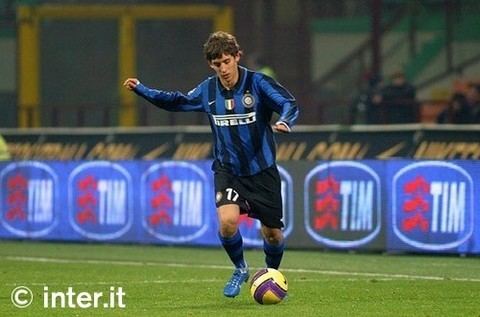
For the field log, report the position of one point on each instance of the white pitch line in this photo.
(189, 281)
(226, 267)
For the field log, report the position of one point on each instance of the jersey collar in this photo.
(241, 78)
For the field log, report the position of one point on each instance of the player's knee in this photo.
(274, 240)
(228, 229)
(274, 237)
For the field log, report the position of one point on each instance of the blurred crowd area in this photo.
(346, 61)
(394, 101)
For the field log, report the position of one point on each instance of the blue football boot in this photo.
(232, 288)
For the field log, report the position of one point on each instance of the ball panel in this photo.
(279, 278)
(268, 286)
(257, 275)
(269, 292)
(270, 298)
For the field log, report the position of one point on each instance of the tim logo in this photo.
(100, 200)
(28, 199)
(173, 199)
(250, 227)
(342, 204)
(432, 205)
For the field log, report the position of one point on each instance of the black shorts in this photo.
(257, 195)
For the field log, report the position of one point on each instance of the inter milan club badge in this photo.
(248, 100)
(229, 104)
(218, 197)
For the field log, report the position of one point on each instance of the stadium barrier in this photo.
(335, 142)
(386, 205)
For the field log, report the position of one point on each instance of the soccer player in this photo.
(239, 104)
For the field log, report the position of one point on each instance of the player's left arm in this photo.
(282, 102)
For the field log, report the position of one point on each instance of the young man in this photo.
(239, 104)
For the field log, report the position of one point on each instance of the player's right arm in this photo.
(168, 100)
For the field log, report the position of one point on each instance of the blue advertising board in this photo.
(433, 206)
(168, 202)
(343, 207)
(394, 205)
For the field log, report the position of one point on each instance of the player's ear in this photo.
(210, 64)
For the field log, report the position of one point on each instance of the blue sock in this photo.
(273, 254)
(234, 248)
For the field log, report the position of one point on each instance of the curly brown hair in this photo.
(219, 43)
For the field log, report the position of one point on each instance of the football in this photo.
(268, 286)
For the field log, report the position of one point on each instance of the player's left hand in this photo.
(281, 128)
(131, 83)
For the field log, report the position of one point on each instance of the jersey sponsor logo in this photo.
(100, 200)
(251, 227)
(174, 201)
(234, 119)
(432, 204)
(29, 199)
(342, 204)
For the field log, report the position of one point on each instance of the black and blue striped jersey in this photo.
(239, 118)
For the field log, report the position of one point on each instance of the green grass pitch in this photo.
(181, 281)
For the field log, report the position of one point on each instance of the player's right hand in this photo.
(131, 83)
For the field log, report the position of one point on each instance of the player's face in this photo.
(226, 68)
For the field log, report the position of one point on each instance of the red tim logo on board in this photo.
(29, 199)
(100, 200)
(342, 204)
(175, 201)
(432, 205)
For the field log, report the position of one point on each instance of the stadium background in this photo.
(321, 50)
(63, 65)
(401, 189)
